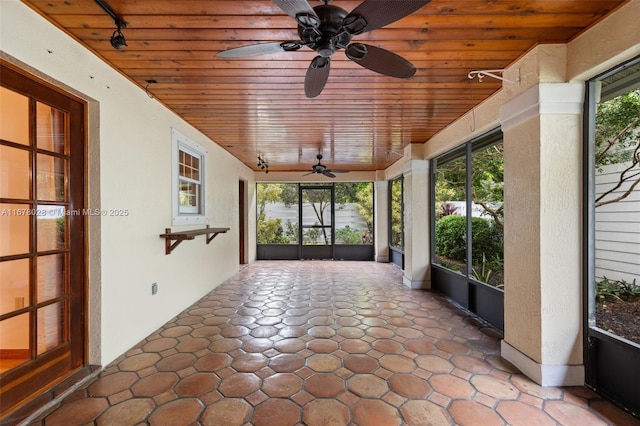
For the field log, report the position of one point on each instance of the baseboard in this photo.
(382, 259)
(543, 374)
(416, 284)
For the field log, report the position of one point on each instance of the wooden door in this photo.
(42, 241)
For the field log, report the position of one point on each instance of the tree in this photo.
(617, 141)
(487, 181)
(269, 230)
(397, 200)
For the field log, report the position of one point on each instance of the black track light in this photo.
(263, 164)
(117, 38)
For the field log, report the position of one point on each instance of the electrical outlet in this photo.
(154, 288)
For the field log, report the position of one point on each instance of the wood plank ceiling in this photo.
(361, 120)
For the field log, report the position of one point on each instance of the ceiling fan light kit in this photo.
(321, 169)
(327, 29)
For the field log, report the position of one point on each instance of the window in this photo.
(188, 181)
(397, 213)
(354, 213)
(469, 197)
(277, 213)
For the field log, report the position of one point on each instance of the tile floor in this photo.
(323, 343)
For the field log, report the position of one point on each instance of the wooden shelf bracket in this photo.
(173, 239)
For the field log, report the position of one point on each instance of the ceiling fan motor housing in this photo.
(329, 35)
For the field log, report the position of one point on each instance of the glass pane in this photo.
(354, 213)
(14, 117)
(14, 342)
(189, 192)
(277, 213)
(316, 207)
(487, 225)
(14, 285)
(50, 178)
(50, 132)
(50, 275)
(50, 327)
(397, 214)
(316, 236)
(51, 228)
(617, 203)
(14, 173)
(451, 215)
(14, 229)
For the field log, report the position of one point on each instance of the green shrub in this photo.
(617, 289)
(451, 238)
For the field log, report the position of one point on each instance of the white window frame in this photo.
(197, 216)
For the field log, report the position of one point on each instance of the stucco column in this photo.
(416, 225)
(381, 220)
(542, 248)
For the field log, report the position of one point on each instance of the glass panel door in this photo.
(41, 305)
(317, 213)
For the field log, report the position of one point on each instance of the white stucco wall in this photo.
(130, 168)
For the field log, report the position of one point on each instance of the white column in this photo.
(381, 221)
(417, 272)
(542, 248)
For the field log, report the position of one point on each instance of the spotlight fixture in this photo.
(263, 164)
(117, 38)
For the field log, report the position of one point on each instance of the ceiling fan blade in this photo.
(338, 171)
(317, 76)
(301, 11)
(328, 173)
(380, 60)
(258, 49)
(310, 173)
(378, 13)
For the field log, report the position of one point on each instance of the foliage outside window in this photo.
(188, 189)
(277, 213)
(354, 213)
(487, 213)
(617, 205)
(396, 192)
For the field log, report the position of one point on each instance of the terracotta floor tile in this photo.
(277, 412)
(520, 414)
(373, 412)
(323, 363)
(154, 384)
(367, 386)
(451, 386)
(282, 385)
(409, 386)
(325, 412)
(82, 411)
(324, 385)
(181, 411)
(239, 385)
(130, 412)
(360, 363)
(228, 412)
(471, 413)
(197, 384)
(324, 343)
(569, 414)
(112, 384)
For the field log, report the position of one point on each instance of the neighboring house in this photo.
(617, 229)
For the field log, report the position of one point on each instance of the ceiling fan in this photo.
(326, 29)
(321, 169)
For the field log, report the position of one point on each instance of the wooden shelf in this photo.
(173, 239)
